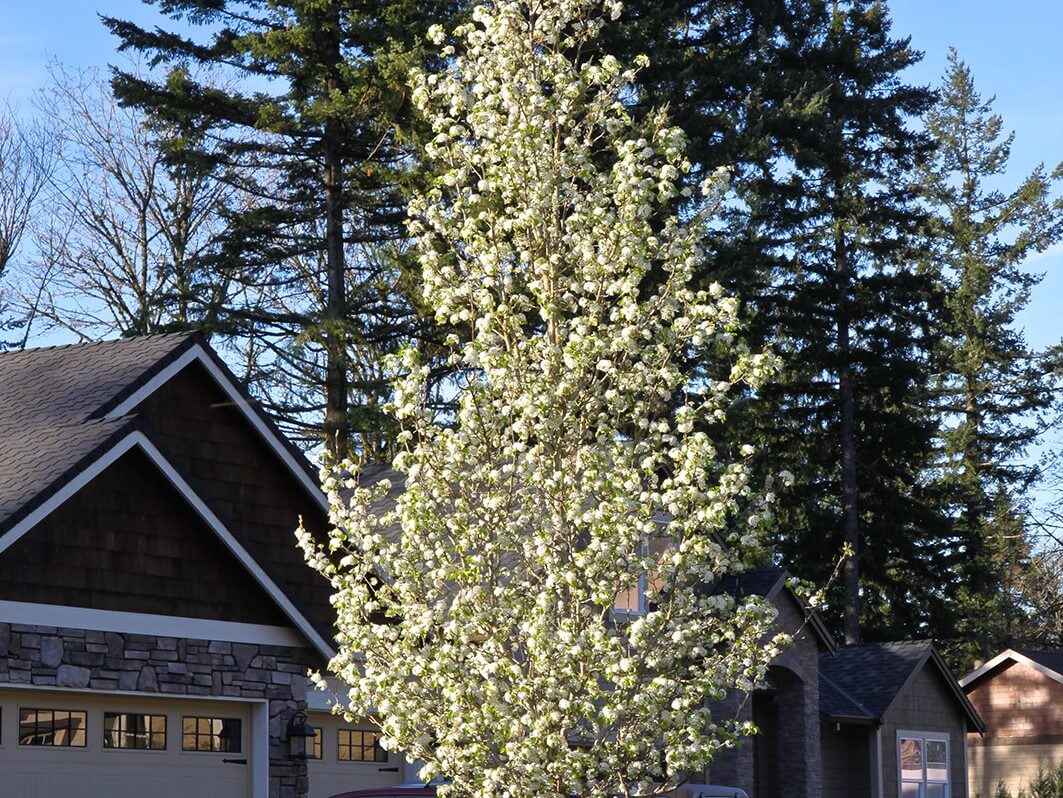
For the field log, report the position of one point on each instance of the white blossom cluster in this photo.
(477, 613)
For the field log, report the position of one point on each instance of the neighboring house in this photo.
(883, 720)
(156, 619)
(1020, 694)
(895, 723)
(784, 759)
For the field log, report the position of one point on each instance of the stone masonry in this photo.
(47, 656)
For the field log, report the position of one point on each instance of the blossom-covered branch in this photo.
(485, 616)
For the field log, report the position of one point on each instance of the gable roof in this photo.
(62, 406)
(63, 420)
(769, 583)
(1046, 662)
(860, 683)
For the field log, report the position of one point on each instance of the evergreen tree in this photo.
(802, 101)
(996, 389)
(310, 117)
(836, 215)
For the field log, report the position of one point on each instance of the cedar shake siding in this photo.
(128, 540)
(927, 705)
(242, 479)
(1023, 710)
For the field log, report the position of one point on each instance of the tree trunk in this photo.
(337, 429)
(847, 434)
(337, 423)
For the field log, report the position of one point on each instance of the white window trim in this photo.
(924, 736)
(625, 613)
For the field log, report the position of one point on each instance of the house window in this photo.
(924, 764)
(358, 745)
(62, 728)
(219, 735)
(313, 750)
(631, 601)
(130, 730)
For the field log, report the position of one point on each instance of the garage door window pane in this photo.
(357, 745)
(129, 730)
(62, 728)
(218, 735)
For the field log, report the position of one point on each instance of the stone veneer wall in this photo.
(46, 656)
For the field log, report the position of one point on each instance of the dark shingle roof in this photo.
(861, 682)
(69, 384)
(834, 702)
(869, 676)
(755, 582)
(51, 404)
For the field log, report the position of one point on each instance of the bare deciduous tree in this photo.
(25, 165)
(127, 245)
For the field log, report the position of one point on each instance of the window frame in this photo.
(125, 732)
(924, 737)
(85, 727)
(239, 737)
(379, 750)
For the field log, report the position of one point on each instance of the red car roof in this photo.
(396, 791)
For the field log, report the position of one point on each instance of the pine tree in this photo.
(996, 389)
(836, 215)
(310, 118)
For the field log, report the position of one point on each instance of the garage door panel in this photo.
(96, 771)
(349, 758)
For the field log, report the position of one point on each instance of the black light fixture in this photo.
(299, 732)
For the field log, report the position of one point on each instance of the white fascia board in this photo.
(141, 623)
(1011, 654)
(137, 438)
(260, 576)
(197, 353)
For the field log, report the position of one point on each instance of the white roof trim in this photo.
(137, 438)
(1011, 654)
(198, 353)
(142, 623)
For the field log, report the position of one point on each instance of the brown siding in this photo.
(846, 754)
(927, 705)
(1013, 763)
(129, 542)
(242, 479)
(1018, 701)
(1023, 712)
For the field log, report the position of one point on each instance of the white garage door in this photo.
(59, 745)
(349, 757)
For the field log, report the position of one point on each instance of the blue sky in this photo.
(1013, 49)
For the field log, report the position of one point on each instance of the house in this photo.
(156, 619)
(894, 723)
(840, 722)
(784, 759)
(1019, 692)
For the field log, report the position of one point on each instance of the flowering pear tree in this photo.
(535, 614)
